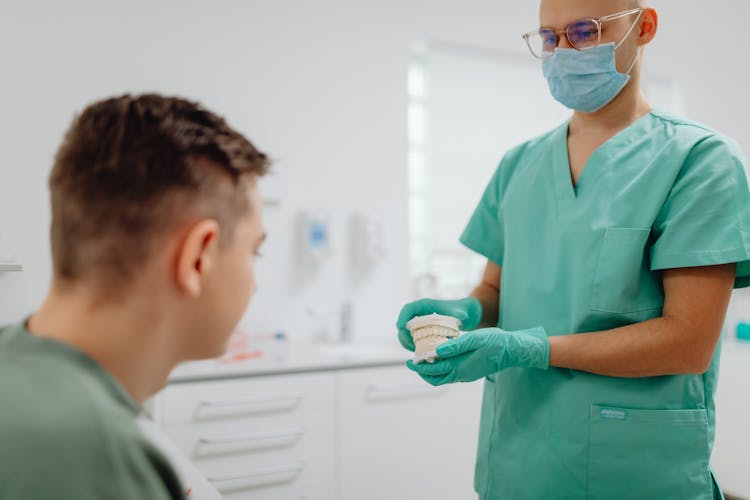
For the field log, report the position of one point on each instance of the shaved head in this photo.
(628, 4)
(561, 12)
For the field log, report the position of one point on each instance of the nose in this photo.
(563, 41)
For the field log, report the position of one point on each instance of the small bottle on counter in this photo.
(743, 332)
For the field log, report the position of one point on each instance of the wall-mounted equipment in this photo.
(315, 237)
(368, 240)
(8, 261)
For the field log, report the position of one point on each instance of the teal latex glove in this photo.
(468, 311)
(476, 354)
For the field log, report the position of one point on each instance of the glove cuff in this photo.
(539, 357)
(473, 309)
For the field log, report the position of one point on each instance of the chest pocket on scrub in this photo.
(623, 282)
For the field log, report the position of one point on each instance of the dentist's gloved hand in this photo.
(483, 352)
(468, 311)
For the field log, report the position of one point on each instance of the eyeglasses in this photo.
(582, 34)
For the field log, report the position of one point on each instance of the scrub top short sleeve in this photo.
(485, 232)
(705, 219)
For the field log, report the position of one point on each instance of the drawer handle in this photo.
(208, 410)
(229, 445)
(382, 393)
(258, 478)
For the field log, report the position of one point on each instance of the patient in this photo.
(156, 221)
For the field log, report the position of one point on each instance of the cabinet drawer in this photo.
(372, 389)
(245, 399)
(227, 442)
(320, 489)
(308, 461)
(314, 421)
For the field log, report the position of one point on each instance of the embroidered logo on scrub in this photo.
(612, 414)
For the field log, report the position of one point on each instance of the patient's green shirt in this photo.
(67, 428)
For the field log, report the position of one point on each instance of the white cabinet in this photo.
(731, 456)
(351, 434)
(401, 438)
(258, 438)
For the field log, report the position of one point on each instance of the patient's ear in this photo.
(196, 255)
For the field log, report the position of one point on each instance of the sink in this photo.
(363, 351)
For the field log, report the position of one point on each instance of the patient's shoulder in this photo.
(66, 423)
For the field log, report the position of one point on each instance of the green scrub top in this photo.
(663, 193)
(68, 430)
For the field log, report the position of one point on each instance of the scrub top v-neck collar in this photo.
(594, 167)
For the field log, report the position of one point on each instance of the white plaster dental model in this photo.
(429, 332)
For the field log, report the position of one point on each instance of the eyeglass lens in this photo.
(581, 34)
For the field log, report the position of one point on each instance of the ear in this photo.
(649, 27)
(196, 256)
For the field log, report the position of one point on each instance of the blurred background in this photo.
(384, 119)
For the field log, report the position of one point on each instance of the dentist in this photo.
(613, 243)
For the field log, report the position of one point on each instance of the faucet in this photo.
(345, 313)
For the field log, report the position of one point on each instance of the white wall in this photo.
(318, 84)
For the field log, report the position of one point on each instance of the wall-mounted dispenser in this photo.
(315, 237)
(368, 239)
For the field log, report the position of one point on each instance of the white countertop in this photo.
(735, 346)
(298, 357)
(302, 357)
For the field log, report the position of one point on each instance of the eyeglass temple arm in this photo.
(612, 17)
(604, 19)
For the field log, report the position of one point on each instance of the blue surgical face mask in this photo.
(586, 80)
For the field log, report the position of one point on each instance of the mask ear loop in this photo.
(632, 27)
(635, 60)
(638, 52)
